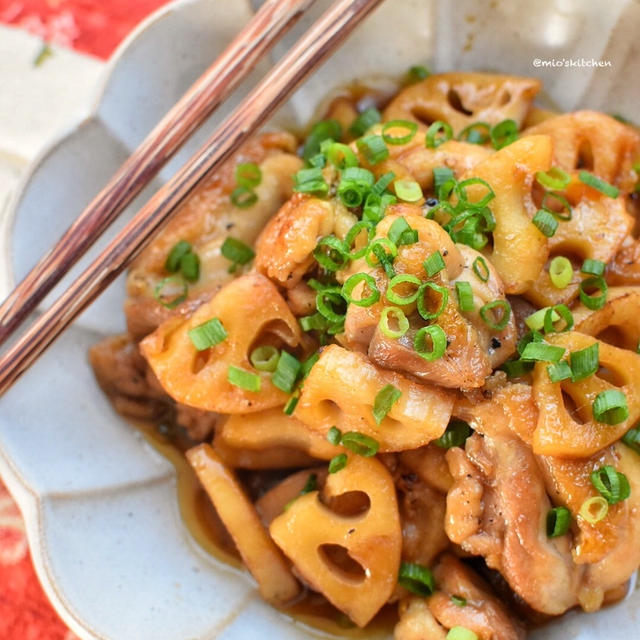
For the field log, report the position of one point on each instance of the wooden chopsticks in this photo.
(203, 97)
(312, 48)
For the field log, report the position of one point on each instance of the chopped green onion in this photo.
(560, 272)
(488, 316)
(236, 251)
(310, 485)
(504, 133)
(461, 191)
(365, 121)
(594, 509)
(180, 249)
(632, 439)
(321, 131)
(610, 407)
(441, 177)
(410, 127)
(338, 463)
(401, 233)
(352, 236)
(553, 314)
(307, 364)
(385, 253)
(545, 222)
(518, 368)
(459, 601)
(400, 318)
(455, 436)
(360, 444)
(565, 213)
(417, 72)
(243, 379)
(559, 371)
(334, 435)
(310, 181)
(535, 321)
(383, 182)
(291, 405)
(248, 174)
(434, 264)
(591, 301)
(555, 179)
(265, 358)
(612, 485)
(558, 522)
(465, 296)
(408, 190)
(438, 133)
(318, 161)
(403, 278)
(593, 267)
(355, 184)
(438, 342)
(542, 352)
(373, 148)
(352, 282)
(208, 334)
(326, 300)
(286, 373)
(599, 185)
(243, 197)
(341, 156)
(416, 579)
(476, 133)
(481, 269)
(527, 338)
(461, 633)
(385, 399)
(190, 267)
(170, 292)
(331, 253)
(315, 322)
(584, 362)
(444, 298)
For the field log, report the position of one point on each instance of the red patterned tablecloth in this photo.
(93, 27)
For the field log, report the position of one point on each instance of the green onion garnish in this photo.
(461, 191)
(441, 177)
(560, 272)
(341, 156)
(353, 234)
(518, 368)
(321, 131)
(310, 485)
(455, 436)
(416, 579)
(545, 222)
(410, 129)
(404, 278)
(504, 133)
(310, 181)
(352, 282)
(599, 185)
(180, 249)
(535, 321)
(365, 121)
(383, 250)
(465, 296)
(399, 317)
(459, 601)
(555, 313)
(481, 269)
(632, 439)
(243, 379)
(360, 444)
(331, 253)
(334, 435)
(265, 358)
(461, 633)
(527, 338)
(291, 405)
(355, 184)
(584, 362)
(438, 133)
(373, 148)
(190, 267)
(594, 509)
(590, 300)
(542, 352)
(170, 292)
(338, 463)
(476, 133)
(489, 317)
(326, 302)
(408, 190)
(307, 364)
(443, 292)
(434, 264)
(208, 334)
(236, 251)
(401, 233)
(438, 342)
(383, 182)
(558, 522)
(610, 407)
(565, 212)
(612, 485)
(385, 399)
(417, 72)
(243, 197)
(248, 174)
(559, 371)
(593, 267)
(286, 373)
(555, 179)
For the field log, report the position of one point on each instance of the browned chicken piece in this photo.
(134, 392)
(462, 99)
(205, 221)
(430, 464)
(497, 509)
(417, 622)
(477, 609)
(625, 267)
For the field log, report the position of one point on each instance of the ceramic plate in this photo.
(100, 504)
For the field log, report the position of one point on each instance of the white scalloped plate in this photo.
(99, 503)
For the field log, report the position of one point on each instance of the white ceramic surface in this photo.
(99, 503)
